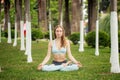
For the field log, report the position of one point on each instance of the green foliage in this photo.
(54, 11)
(36, 34)
(90, 39)
(118, 7)
(103, 39)
(75, 37)
(104, 4)
(105, 23)
(46, 35)
(5, 33)
(34, 14)
(2, 34)
(12, 14)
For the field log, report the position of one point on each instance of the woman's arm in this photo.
(46, 59)
(70, 55)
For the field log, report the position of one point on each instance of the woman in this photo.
(59, 47)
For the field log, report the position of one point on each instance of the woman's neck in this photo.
(58, 39)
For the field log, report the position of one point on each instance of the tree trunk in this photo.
(42, 16)
(50, 27)
(15, 30)
(81, 46)
(75, 16)
(15, 33)
(7, 19)
(24, 12)
(28, 31)
(22, 47)
(18, 16)
(6, 10)
(9, 30)
(97, 31)
(60, 2)
(67, 20)
(0, 22)
(92, 14)
(114, 58)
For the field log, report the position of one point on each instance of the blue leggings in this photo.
(57, 66)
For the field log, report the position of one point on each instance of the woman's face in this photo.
(59, 32)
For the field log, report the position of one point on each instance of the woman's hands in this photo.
(79, 64)
(39, 67)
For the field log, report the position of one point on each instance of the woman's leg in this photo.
(71, 67)
(51, 67)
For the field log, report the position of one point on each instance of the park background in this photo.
(44, 15)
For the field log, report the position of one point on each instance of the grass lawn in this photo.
(15, 67)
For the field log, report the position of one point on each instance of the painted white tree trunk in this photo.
(28, 41)
(97, 39)
(114, 59)
(15, 37)
(9, 33)
(50, 27)
(27, 38)
(0, 33)
(81, 46)
(50, 31)
(22, 47)
(0, 69)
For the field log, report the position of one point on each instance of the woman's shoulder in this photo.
(67, 41)
(50, 43)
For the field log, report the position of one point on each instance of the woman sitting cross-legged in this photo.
(59, 47)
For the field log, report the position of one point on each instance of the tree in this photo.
(75, 16)
(7, 24)
(6, 10)
(28, 31)
(17, 16)
(60, 3)
(0, 21)
(50, 28)
(67, 19)
(92, 14)
(114, 58)
(42, 15)
(22, 47)
(97, 31)
(81, 47)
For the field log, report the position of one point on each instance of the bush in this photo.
(2, 34)
(75, 37)
(36, 34)
(103, 39)
(46, 35)
(5, 33)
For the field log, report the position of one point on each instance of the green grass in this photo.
(15, 67)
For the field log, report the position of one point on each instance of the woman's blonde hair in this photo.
(63, 41)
